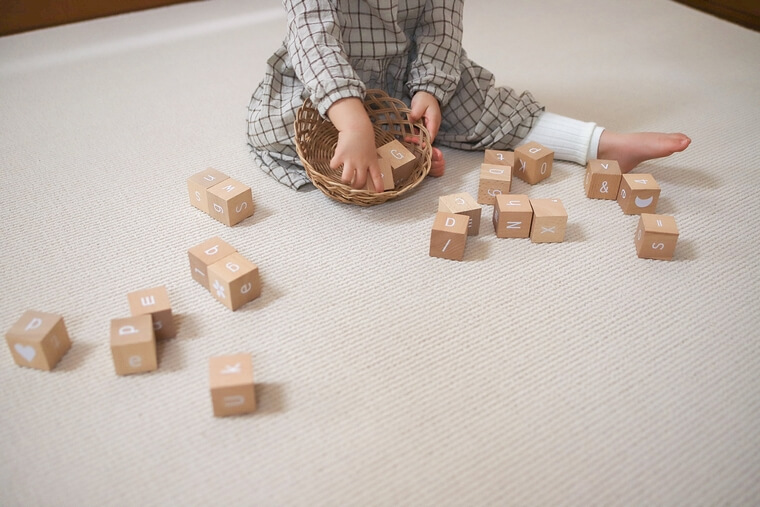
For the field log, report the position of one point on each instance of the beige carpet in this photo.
(528, 374)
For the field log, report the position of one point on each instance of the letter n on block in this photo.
(512, 216)
(449, 236)
(232, 388)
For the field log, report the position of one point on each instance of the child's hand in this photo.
(356, 150)
(425, 107)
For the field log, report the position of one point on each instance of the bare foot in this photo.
(437, 164)
(632, 149)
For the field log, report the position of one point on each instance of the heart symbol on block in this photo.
(25, 351)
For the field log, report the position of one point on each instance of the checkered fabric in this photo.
(338, 49)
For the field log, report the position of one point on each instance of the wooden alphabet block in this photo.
(533, 162)
(230, 201)
(386, 171)
(499, 157)
(203, 255)
(549, 221)
(512, 216)
(602, 179)
(234, 281)
(231, 383)
(402, 161)
(133, 345)
(656, 237)
(494, 180)
(449, 236)
(638, 194)
(154, 302)
(462, 204)
(198, 185)
(38, 340)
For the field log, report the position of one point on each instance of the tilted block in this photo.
(234, 281)
(38, 340)
(386, 172)
(494, 180)
(549, 221)
(512, 216)
(402, 161)
(198, 185)
(154, 302)
(133, 345)
(656, 237)
(638, 194)
(449, 236)
(602, 179)
(231, 383)
(462, 204)
(499, 157)
(533, 162)
(230, 201)
(203, 255)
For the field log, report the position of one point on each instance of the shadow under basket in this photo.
(316, 139)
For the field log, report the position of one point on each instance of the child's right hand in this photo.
(356, 150)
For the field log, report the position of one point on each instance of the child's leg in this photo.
(577, 141)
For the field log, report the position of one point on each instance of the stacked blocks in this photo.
(231, 278)
(462, 204)
(38, 340)
(495, 175)
(449, 235)
(602, 179)
(401, 160)
(512, 216)
(638, 194)
(133, 345)
(533, 162)
(154, 302)
(231, 384)
(656, 237)
(223, 198)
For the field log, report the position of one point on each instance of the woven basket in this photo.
(316, 139)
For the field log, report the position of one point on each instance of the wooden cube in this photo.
(203, 255)
(499, 157)
(638, 194)
(533, 162)
(230, 201)
(449, 236)
(154, 302)
(656, 237)
(386, 171)
(494, 180)
(234, 281)
(198, 185)
(462, 204)
(38, 340)
(133, 345)
(512, 216)
(231, 381)
(602, 179)
(549, 221)
(402, 161)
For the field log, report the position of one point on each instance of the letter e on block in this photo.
(133, 345)
(154, 302)
(232, 387)
(38, 340)
(449, 236)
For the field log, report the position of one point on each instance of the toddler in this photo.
(336, 49)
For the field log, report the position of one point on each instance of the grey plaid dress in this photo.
(338, 48)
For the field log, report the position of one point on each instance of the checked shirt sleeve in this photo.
(438, 37)
(317, 54)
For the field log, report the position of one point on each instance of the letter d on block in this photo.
(450, 222)
(127, 330)
(33, 324)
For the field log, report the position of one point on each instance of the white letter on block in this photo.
(493, 170)
(245, 289)
(218, 208)
(233, 267)
(33, 324)
(534, 150)
(135, 361)
(397, 154)
(240, 207)
(450, 222)
(213, 250)
(127, 330)
(513, 225)
(147, 300)
(233, 401)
